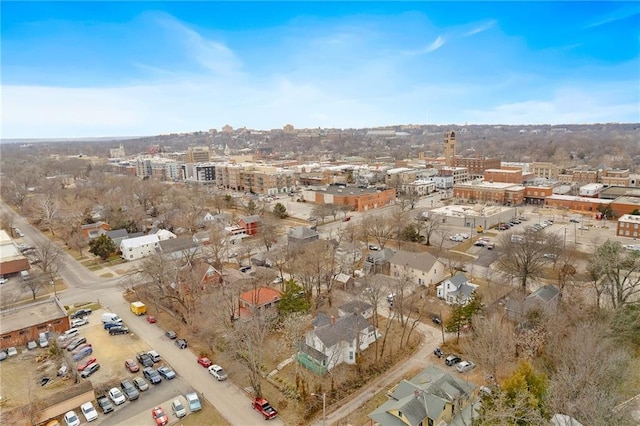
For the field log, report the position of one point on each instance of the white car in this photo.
(217, 372)
(71, 418)
(465, 366)
(178, 409)
(116, 396)
(3, 280)
(89, 411)
(457, 238)
(78, 322)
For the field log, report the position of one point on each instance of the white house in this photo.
(419, 268)
(139, 247)
(335, 341)
(164, 235)
(456, 290)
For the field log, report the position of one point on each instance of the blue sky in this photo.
(72, 69)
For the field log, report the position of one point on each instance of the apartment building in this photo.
(204, 173)
(198, 154)
(628, 226)
(460, 174)
(477, 166)
(501, 193)
(545, 170)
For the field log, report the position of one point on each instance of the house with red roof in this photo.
(257, 301)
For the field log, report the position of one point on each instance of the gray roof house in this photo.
(334, 342)
(456, 290)
(377, 262)
(117, 235)
(356, 307)
(544, 298)
(419, 268)
(433, 397)
(301, 235)
(178, 248)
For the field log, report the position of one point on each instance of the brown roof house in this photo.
(94, 230)
(257, 301)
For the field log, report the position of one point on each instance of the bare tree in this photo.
(492, 344)
(522, 256)
(50, 257)
(431, 225)
(619, 272)
(378, 228)
(34, 283)
(268, 232)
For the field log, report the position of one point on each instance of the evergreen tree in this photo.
(102, 246)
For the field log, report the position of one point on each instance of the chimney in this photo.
(333, 320)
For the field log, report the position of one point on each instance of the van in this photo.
(25, 275)
(110, 317)
(155, 356)
(43, 341)
(72, 332)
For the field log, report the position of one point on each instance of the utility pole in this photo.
(324, 407)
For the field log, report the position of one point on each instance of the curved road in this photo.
(232, 402)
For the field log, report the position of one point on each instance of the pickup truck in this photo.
(263, 407)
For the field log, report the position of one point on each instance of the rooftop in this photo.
(29, 315)
(349, 190)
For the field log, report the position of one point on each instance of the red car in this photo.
(131, 365)
(263, 407)
(346, 219)
(205, 362)
(159, 416)
(85, 364)
(151, 319)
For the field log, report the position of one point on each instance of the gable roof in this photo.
(117, 233)
(250, 219)
(355, 306)
(419, 261)
(321, 319)
(177, 244)
(382, 256)
(261, 295)
(458, 279)
(344, 329)
(463, 292)
(545, 293)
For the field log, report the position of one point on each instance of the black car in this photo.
(109, 325)
(151, 375)
(436, 320)
(181, 343)
(118, 330)
(90, 369)
(105, 404)
(144, 359)
(129, 390)
(438, 352)
(171, 334)
(452, 360)
(81, 313)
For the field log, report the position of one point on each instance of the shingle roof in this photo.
(355, 306)
(117, 233)
(344, 329)
(546, 293)
(177, 244)
(419, 261)
(458, 279)
(261, 295)
(250, 219)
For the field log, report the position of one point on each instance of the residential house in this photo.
(209, 274)
(250, 223)
(201, 237)
(419, 268)
(347, 255)
(377, 262)
(139, 247)
(179, 248)
(94, 230)
(544, 298)
(210, 219)
(301, 235)
(344, 281)
(164, 234)
(336, 341)
(356, 307)
(259, 300)
(117, 235)
(456, 290)
(433, 397)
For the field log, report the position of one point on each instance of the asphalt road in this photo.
(232, 402)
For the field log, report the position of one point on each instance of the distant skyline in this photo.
(94, 69)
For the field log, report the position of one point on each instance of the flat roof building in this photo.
(25, 323)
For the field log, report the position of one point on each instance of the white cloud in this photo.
(479, 29)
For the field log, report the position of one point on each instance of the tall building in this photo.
(449, 148)
(198, 154)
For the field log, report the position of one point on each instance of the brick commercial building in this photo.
(506, 194)
(358, 199)
(25, 323)
(11, 260)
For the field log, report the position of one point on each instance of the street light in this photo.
(324, 407)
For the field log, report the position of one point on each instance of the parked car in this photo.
(81, 313)
(89, 370)
(89, 411)
(167, 373)
(129, 390)
(118, 330)
(85, 352)
(105, 404)
(452, 360)
(144, 359)
(205, 362)
(155, 356)
(193, 401)
(69, 334)
(3, 280)
(263, 407)
(78, 322)
(218, 372)
(12, 351)
(181, 343)
(110, 325)
(465, 366)
(151, 375)
(81, 348)
(3, 355)
(159, 416)
(83, 365)
(178, 409)
(75, 343)
(574, 220)
(131, 365)
(436, 320)
(170, 334)
(151, 319)
(117, 396)
(71, 418)
(346, 219)
(438, 352)
(140, 383)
